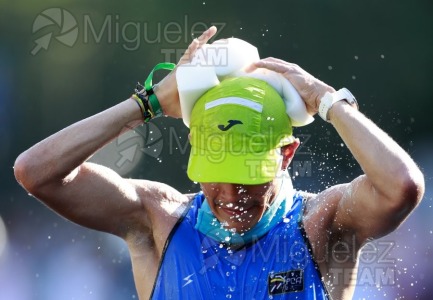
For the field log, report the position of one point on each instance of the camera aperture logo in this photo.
(125, 152)
(63, 23)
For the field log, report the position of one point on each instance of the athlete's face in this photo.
(239, 206)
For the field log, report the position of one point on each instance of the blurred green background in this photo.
(64, 61)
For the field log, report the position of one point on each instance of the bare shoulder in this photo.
(159, 198)
(323, 204)
(319, 217)
(161, 208)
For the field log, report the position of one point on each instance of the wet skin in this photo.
(240, 206)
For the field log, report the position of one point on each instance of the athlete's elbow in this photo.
(27, 174)
(21, 171)
(414, 187)
(409, 191)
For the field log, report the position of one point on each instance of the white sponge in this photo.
(228, 58)
(192, 82)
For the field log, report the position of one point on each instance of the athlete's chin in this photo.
(239, 225)
(239, 221)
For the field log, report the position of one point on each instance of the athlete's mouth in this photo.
(232, 211)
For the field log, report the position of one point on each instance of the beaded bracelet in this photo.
(142, 99)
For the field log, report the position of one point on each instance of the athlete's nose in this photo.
(230, 190)
(232, 195)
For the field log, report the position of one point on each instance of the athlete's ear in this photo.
(288, 151)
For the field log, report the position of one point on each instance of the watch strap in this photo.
(329, 99)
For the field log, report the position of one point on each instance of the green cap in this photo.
(236, 131)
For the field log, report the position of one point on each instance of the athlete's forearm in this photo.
(388, 167)
(54, 158)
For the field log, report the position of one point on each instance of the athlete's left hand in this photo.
(309, 87)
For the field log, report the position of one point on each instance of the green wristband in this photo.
(154, 103)
(156, 107)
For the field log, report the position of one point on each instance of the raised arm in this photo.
(55, 171)
(392, 185)
(375, 203)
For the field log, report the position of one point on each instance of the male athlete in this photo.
(247, 235)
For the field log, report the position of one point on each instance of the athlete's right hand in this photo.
(166, 90)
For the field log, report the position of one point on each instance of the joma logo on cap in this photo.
(230, 124)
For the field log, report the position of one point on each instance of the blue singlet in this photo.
(277, 266)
